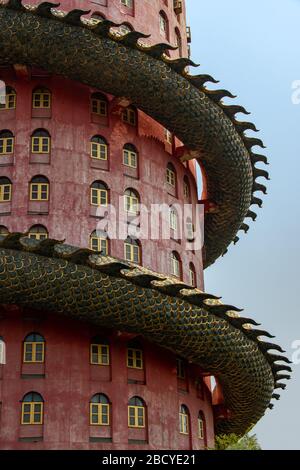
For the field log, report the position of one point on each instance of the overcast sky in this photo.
(252, 47)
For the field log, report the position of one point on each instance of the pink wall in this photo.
(69, 384)
(71, 172)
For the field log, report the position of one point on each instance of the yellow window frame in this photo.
(33, 352)
(171, 177)
(99, 150)
(131, 204)
(32, 413)
(99, 194)
(100, 354)
(38, 235)
(192, 277)
(136, 356)
(41, 188)
(10, 101)
(200, 428)
(129, 116)
(103, 409)
(133, 249)
(175, 267)
(130, 157)
(136, 416)
(5, 144)
(40, 142)
(99, 107)
(41, 100)
(4, 192)
(184, 423)
(100, 243)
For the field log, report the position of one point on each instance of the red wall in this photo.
(144, 18)
(69, 384)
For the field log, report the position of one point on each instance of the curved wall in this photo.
(67, 381)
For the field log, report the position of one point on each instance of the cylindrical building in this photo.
(107, 338)
(65, 150)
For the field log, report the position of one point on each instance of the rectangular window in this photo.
(134, 358)
(98, 151)
(34, 352)
(127, 3)
(32, 413)
(100, 354)
(99, 414)
(132, 253)
(10, 102)
(129, 116)
(5, 192)
(131, 204)
(99, 107)
(180, 368)
(171, 178)
(130, 158)
(99, 244)
(40, 145)
(173, 219)
(6, 145)
(175, 267)
(200, 428)
(41, 100)
(99, 197)
(136, 417)
(192, 278)
(183, 423)
(39, 191)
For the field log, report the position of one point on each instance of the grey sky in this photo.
(252, 47)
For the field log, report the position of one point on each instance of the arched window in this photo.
(99, 351)
(183, 420)
(99, 104)
(130, 156)
(131, 201)
(171, 175)
(201, 426)
(129, 116)
(99, 194)
(40, 141)
(192, 275)
(10, 99)
(39, 188)
(2, 351)
(5, 189)
(135, 355)
(3, 230)
(175, 264)
(32, 409)
(186, 188)
(34, 348)
(132, 250)
(99, 148)
(6, 142)
(41, 98)
(99, 410)
(136, 413)
(99, 242)
(38, 232)
(163, 25)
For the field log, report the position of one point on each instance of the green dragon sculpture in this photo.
(107, 291)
